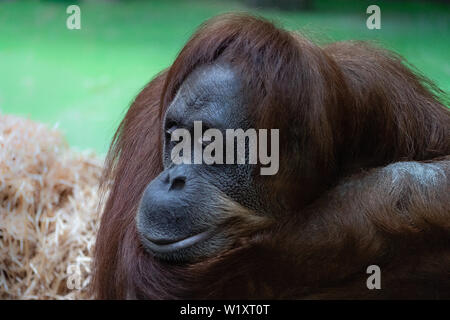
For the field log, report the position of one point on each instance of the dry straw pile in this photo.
(48, 213)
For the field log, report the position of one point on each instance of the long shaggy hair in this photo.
(341, 109)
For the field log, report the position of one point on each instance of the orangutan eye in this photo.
(171, 127)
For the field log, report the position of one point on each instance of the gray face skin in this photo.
(181, 208)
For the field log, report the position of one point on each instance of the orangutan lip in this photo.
(167, 246)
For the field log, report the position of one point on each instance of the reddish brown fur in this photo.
(340, 109)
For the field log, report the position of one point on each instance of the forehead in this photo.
(216, 78)
(211, 93)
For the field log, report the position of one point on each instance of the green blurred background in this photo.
(84, 80)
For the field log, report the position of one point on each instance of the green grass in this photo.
(84, 80)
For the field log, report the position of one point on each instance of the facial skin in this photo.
(181, 211)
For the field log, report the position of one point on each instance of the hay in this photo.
(48, 213)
